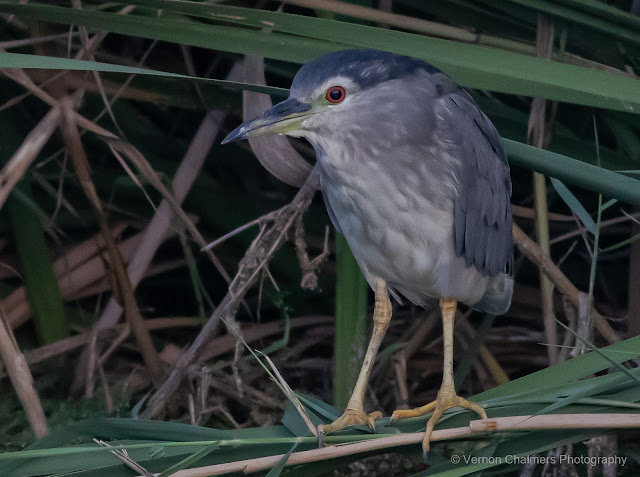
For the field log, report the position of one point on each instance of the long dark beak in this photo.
(283, 117)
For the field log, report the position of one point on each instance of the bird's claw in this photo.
(447, 398)
(425, 454)
(350, 417)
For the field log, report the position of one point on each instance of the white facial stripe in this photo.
(343, 81)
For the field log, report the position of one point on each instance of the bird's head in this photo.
(350, 88)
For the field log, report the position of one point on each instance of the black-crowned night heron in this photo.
(414, 176)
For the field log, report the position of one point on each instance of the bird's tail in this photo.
(497, 298)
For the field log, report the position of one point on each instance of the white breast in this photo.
(397, 233)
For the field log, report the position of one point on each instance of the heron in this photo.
(414, 176)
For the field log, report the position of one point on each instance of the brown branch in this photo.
(226, 344)
(529, 213)
(603, 224)
(122, 288)
(259, 221)
(309, 266)
(529, 248)
(256, 257)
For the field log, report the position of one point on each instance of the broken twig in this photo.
(254, 260)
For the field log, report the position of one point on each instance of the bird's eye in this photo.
(335, 94)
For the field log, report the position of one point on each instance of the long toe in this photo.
(416, 412)
(350, 418)
(435, 417)
(447, 398)
(447, 401)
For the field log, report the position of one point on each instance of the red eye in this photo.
(335, 94)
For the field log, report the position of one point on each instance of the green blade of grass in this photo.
(575, 172)
(45, 299)
(306, 38)
(607, 182)
(457, 59)
(351, 323)
(277, 469)
(20, 60)
(574, 204)
(593, 21)
(601, 10)
(190, 460)
(567, 371)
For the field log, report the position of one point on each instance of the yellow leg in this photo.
(354, 413)
(447, 397)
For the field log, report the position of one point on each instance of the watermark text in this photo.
(539, 459)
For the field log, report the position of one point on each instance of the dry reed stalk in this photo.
(21, 378)
(143, 166)
(226, 344)
(117, 145)
(80, 272)
(254, 260)
(441, 30)
(604, 224)
(537, 136)
(89, 47)
(502, 424)
(529, 213)
(7, 45)
(75, 81)
(74, 269)
(17, 166)
(291, 396)
(65, 345)
(533, 252)
(490, 362)
(160, 224)
(121, 285)
(102, 285)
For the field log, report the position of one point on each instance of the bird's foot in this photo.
(350, 417)
(447, 398)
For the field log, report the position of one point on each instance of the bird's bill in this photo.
(282, 118)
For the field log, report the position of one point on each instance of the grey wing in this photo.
(482, 210)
